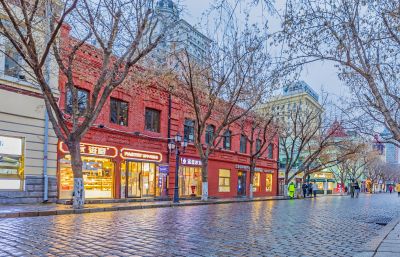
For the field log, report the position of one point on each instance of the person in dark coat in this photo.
(304, 187)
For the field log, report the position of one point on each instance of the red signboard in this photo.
(92, 149)
(140, 155)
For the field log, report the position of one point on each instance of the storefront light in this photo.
(171, 145)
(178, 138)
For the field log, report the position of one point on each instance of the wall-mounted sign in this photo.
(247, 168)
(188, 161)
(10, 145)
(163, 168)
(134, 154)
(92, 149)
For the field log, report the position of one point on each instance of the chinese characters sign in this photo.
(187, 161)
(140, 155)
(95, 150)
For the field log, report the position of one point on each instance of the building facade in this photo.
(125, 153)
(28, 145)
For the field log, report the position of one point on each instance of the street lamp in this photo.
(177, 144)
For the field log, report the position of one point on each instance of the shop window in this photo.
(118, 112)
(188, 130)
(243, 144)
(268, 182)
(11, 163)
(210, 130)
(98, 177)
(227, 140)
(270, 151)
(224, 180)
(256, 182)
(190, 181)
(83, 100)
(258, 145)
(152, 120)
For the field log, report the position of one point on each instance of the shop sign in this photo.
(92, 149)
(188, 161)
(10, 145)
(140, 155)
(247, 168)
(163, 169)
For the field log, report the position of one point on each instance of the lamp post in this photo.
(177, 144)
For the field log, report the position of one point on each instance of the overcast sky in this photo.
(317, 75)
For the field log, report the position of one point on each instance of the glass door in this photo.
(134, 170)
(241, 183)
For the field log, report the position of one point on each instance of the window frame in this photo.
(67, 92)
(188, 128)
(243, 140)
(224, 179)
(118, 103)
(257, 178)
(258, 144)
(227, 136)
(270, 151)
(158, 129)
(207, 135)
(268, 175)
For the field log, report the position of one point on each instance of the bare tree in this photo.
(124, 32)
(261, 132)
(362, 39)
(227, 83)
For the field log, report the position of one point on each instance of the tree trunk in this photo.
(76, 164)
(204, 177)
(251, 191)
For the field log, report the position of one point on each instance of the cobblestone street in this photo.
(326, 226)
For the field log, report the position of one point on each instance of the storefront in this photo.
(11, 163)
(98, 170)
(190, 177)
(262, 180)
(140, 174)
(325, 182)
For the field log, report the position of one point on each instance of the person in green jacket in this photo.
(291, 190)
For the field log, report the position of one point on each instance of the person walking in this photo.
(352, 189)
(291, 190)
(390, 189)
(356, 189)
(304, 187)
(315, 188)
(309, 189)
(398, 189)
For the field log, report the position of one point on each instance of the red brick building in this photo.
(125, 153)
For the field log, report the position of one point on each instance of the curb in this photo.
(370, 248)
(126, 208)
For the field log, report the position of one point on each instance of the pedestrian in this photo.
(291, 189)
(352, 189)
(398, 189)
(310, 186)
(315, 188)
(304, 187)
(390, 189)
(356, 189)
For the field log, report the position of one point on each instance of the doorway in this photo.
(241, 189)
(142, 180)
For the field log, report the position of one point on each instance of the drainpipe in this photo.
(277, 173)
(169, 136)
(45, 158)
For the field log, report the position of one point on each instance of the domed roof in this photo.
(165, 4)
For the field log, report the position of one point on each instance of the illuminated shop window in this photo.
(11, 163)
(268, 182)
(256, 182)
(224, 181)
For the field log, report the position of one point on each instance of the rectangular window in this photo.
(188, 130)
(268, 182)
(152, 120)
(11, 163)
(210, 130)
(82, 99)
(224, 180)
(243, 144)
(270, 151)
(258, 145)
(227, 140)
(118, 112)
(256, 182)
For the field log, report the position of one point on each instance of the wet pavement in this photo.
(326, 226)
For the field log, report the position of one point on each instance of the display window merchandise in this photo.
(142, 179)
(268, 182)
(98, 177)
(256, 182)
(224, 180)
(11, 163)
(190, 181)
